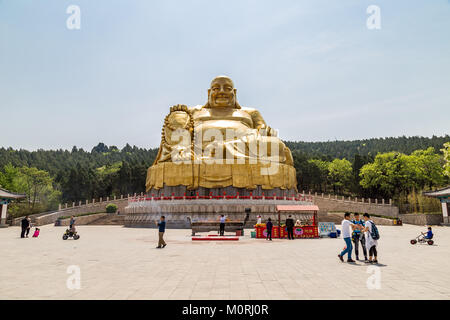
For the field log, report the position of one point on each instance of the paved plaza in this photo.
(122, 263)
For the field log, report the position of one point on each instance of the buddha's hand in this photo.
(267, 131)
(177, 123)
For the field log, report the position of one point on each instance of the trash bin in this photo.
(253, 234)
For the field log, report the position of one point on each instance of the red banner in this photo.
(280, 232)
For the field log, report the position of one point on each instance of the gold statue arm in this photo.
(259, 123)
(179, 118)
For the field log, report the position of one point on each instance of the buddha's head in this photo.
(222, 93)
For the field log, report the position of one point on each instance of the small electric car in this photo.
(70, 234)
(422, 239)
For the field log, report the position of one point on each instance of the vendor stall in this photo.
(306, 222)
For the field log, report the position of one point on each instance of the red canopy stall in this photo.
(306, 222)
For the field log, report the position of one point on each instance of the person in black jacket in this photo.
(290, 227)
(25, 225)
(269, 226)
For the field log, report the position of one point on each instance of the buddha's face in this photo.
(222, 93)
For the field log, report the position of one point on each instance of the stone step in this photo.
(110, 220)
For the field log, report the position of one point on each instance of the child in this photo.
(429, 234)
(36, 233)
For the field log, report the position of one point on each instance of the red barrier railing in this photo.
(297, 197)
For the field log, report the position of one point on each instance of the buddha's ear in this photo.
(209, 91)
(236, 103)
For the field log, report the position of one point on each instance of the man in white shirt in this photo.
(347, 236)
(222, 225)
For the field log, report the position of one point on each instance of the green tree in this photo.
(446, 151)
(318, 169)
(390, 174)
(427, 167)
(36, 184)
(8, 178)
(340, 174)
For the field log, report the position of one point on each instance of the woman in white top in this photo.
(259, 220)
(371, 243)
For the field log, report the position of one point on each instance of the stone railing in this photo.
(294, 197)
(334, 203)
(83, 219)
(93, 202)
(383, 202)
(78, 207)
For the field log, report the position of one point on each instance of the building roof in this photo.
(297, 208)
(445, 192)
(5, 194)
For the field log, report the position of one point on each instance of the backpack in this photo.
(374, 233)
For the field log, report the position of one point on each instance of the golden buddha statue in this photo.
(220, 145)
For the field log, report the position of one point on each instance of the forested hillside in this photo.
(367, 147)
(398, 168)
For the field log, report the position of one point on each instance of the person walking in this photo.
(290, 227)
(371, 243)
(346, 224)
(162, 228)
(269, 227)
(358, 236)
(222, 225)
(29, 227)
(25, 223)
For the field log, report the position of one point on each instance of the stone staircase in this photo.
(110, 220)
(337, 219)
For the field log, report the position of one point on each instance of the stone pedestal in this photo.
(144, 213)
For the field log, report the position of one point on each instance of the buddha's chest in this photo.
(233, 119)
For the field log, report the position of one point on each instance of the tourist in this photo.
(25, 223)
(358, 236)
(290, 227)
(269, 226)
(72, 224)
(29, 227)
(371, 243)
(162, 228)
(222, 225)
(346, 224)
(428, 235)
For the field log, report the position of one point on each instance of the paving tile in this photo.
(121, 263)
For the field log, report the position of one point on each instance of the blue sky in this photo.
(312, 68)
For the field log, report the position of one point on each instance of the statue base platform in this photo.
(143, 211)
